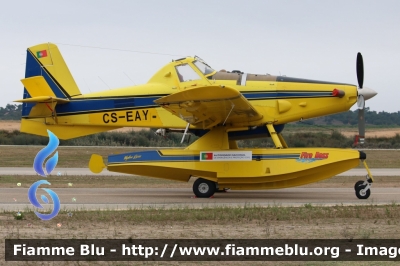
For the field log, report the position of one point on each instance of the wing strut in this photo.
(274, 136)
(233, 106)
(284, 144)
(184, 134)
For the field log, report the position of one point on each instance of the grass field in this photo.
(23, 156)
(371, 132)
(250, 222)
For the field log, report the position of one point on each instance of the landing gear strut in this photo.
(204, 188)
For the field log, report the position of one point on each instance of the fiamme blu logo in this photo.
(44, 169)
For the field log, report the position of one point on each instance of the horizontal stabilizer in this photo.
(40, 91)
(38, 127)
(43, 99)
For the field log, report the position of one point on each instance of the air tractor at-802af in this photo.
(220, 107)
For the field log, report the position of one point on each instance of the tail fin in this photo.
(47, 78)
(47, 83)
(46, 60)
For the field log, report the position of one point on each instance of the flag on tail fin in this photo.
(41, 54)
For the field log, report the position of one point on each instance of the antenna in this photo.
(87, 85)
(104, 82)
(129, 78)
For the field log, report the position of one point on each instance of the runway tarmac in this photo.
(86, 171)
(16, 199)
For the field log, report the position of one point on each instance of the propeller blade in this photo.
(360, 70)
(361, 125)
(360, 102)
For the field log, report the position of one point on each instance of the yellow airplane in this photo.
(219, 106)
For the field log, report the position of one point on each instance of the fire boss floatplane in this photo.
(220, 107)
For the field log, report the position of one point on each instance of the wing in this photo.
(210, 106)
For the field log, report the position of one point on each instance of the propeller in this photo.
(363, 95)
(360, 98)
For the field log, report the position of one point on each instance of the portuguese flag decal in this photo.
(41, 54)
(206, 156)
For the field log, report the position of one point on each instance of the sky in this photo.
(304, 39)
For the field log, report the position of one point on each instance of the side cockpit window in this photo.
(186, 73)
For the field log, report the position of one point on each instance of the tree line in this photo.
(350, 118)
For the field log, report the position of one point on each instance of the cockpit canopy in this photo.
(187, 73)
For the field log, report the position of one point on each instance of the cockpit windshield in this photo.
(202, 66)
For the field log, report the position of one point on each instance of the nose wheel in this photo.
(363, 188)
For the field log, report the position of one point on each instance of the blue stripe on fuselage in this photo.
(157, 156)
(149, 156)
(110, 104)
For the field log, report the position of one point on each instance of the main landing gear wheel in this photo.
(204, 188)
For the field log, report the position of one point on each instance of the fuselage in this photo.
(279, 99)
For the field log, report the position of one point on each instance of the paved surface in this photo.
(16, 199)
(124, 198)
(86, 171)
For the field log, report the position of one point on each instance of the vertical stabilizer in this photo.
(45, 63)
(46, 60)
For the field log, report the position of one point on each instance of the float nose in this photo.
(367, 93)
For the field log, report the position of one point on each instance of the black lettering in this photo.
(145, 114)
(104, 118)
(114, 117)
(138, 116)
(129, 116)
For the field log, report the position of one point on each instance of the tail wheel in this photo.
(204, 188)
(362, 193)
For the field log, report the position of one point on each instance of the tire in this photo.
(364, 195)
(358, 183)
(204, 188)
